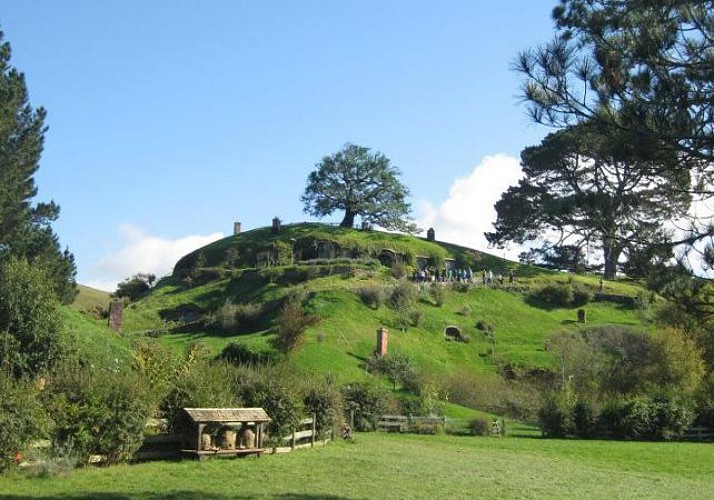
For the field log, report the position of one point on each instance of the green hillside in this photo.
(330, 267)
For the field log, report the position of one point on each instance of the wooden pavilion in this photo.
(235, 432)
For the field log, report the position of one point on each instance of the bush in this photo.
(372, 295)
(584, 421)
(97, 412)
(200, 384)
(555, 418)
(437, 291)
(367, 402)
(22, 418)
(555, 295)
(581, 296)
(562, 295)
(325, 402)
(292, 323)
(460, 286)
(480, 427)
(279, 401)
(431, 428)
(237, 317)
(240, 354)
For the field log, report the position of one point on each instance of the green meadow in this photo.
(379, 465)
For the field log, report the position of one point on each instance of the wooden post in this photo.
(198, 438)
(292, 441)
(352, 420)
(314, 430)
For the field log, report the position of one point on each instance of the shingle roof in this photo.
(202, 415)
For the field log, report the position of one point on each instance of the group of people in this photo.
(465, 275)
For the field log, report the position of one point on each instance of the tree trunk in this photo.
(349, 220)
(612, 255)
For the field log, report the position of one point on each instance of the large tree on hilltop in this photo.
(25, 228)
(643, 67)
(585, 186)
(360, 183)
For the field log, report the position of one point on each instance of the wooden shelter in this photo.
(235, 432)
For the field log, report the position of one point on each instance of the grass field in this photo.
(407, 466)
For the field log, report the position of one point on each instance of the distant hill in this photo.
(331, 269)
(90, 299)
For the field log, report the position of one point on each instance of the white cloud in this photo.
(468, 211)
(141, 253)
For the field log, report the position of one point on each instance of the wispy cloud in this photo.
(468, 211)
(141, 253)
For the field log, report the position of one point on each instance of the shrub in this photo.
(555, 295)
(325, 402)
(460, 286)
(30, 321)
(584, 422)
(437, 291)
(292, 323)
(398, 368)
(367, 403)
(22, 418)
(464, 311)
(372, 295)
(432, 428)
(240, 354)
(554, 417)
(398, 270)
(480, 427)
(236, 317)
(98, 412)
(581, 296)
(279, 401)
(200, 384)
(561, 295)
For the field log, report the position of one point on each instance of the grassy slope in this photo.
(408, 466)
(90, 299)
(346, 334)
(94, 341)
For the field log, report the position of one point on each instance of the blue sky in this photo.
(168, 120)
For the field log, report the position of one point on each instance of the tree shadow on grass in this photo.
(167, 495)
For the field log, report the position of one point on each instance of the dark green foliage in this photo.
(292, 323)
(232, 318)
(367, 403)
(201, 384)
(554, 417)
(325, 401)
(277, 396)
(97, 412)
(25, 229)
(654, 418)
(372, 295)
(561, 295)
(135, 287)
(240, 354)
(584, 419)
(360, 183)
(403, 301)
(596, 187)
(480, 427)
(30, 321)
(22, 418)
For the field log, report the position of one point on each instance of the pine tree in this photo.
(25, 227)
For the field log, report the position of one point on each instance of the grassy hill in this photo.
(329, 267)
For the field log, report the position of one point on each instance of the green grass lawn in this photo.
(407, 466)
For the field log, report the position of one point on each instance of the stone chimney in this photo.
(116, 310)
(430, 234)
(382, 340)
(276, 225)
(236, 227)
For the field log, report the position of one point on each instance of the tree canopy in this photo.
(361, 183)
(643, 67)
(586, 187)
(25, 228)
